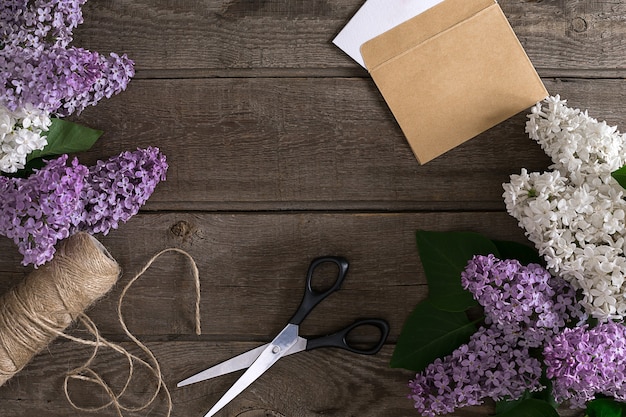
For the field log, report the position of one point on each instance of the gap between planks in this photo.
(348, 72)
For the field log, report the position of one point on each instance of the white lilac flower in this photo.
(21, 132)
(575, 213)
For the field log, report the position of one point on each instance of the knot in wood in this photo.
(579, 25)
(182, 229)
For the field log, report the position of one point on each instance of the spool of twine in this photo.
(49, 299)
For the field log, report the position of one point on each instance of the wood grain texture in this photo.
(281, 149)
(324, 382)
(276, 144)
(253, 266)
(279, 34)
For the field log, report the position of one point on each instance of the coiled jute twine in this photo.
(48, 300)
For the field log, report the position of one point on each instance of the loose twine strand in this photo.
(40, 308)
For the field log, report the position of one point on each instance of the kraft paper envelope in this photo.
(451, 73)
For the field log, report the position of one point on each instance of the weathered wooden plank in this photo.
(218, 34)
(324, 382)
(278, 34)
(253, 266)
(574, 34)
(276, 144)
(328, 382)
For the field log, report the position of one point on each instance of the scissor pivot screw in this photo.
(276, 349)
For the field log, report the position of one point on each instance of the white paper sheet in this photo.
(374, 18)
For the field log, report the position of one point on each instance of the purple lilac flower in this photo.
(38, 211)
(33, 23)
(526, 302)
(61, 80)
(59, 200)
(118, 187)
(524, 307)
(485, 367)
(584, 362)
(38, 67)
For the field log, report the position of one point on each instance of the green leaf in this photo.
(428, 334)
(66, 137)
(544, 395)
(605, 407)
(530, 408)
(620, 176)
(504, 406)
(513, 250)
(444, 256)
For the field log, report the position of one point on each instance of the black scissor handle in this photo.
(312, 297)
(340, 340)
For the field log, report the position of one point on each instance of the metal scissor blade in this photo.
(270, 355)
(237, 363)
(231, 365)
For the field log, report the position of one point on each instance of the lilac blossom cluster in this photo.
(38, 67)
(21, 132)
(35, 23)
(119, 186)
(62, 199)
(41, 210)
(575, 213)
(524, 308)
(485, 367)
(584, 362)
(61, 81)
(525, 303)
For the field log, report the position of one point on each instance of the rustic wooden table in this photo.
(281, 149)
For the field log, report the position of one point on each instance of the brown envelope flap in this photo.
(455, 86)
(419, 28)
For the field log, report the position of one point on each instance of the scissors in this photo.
(288, 341)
